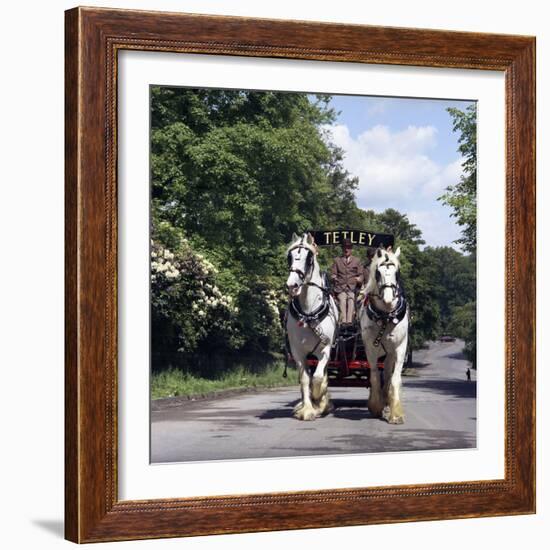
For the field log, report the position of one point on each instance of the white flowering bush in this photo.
(204, 304)
(271, 306)
(162, 264)
(188, 306)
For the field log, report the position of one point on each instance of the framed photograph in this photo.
(300, 275)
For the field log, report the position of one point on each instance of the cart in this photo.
(348, 365)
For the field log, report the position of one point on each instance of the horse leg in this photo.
(376, 399)
(304, 410)
(319, 385)
(388, 371)
(395, 414)
(300, 405)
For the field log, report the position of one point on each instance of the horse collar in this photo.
(383, 317)
(317, 315)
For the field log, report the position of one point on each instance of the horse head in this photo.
(301, 262)
(384, 275)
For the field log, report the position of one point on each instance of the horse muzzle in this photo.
(294, 290)
(388, 293)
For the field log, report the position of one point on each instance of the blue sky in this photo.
(404, 153)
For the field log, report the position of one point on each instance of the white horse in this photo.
(311, 325)
(384, 319)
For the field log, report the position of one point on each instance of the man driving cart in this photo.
(347, 274)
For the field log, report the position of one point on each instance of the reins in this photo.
(324, 289)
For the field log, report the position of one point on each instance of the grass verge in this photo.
(175, 382)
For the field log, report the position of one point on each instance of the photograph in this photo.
(312, 274)
(299, 273)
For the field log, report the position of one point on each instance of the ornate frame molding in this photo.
(93, 38)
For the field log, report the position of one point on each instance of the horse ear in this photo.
(294, 237)
(310, 239)
(389, 248)
(379, 252)
(398, 252)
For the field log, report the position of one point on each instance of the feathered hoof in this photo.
(376, 409)
(392, 418)
(324, 409)
(305, 413)
(396, 419)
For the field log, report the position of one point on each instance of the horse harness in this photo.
(384, 318)
(315, 317)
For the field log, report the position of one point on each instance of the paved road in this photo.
(440, 409)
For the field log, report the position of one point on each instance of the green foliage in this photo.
(398, 225)
(418, 274)
(453, 280)
(463, 325)
(462, 196)
(176, 382)
(186, 304)
(234, 174)
(436, 280)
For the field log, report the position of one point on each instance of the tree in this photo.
(234, 174)
(453, 282)
(463, 325)
(400, 227)
(462, 196)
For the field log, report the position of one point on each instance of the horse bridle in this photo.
(394, 286)
(309, 262)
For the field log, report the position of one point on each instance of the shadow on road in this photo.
(459, 389)
(347, 409)
(284, 412)
(353, 414)
(416, 365)
(457, 355)
(340, 403)
(403, 439)
(351, 409)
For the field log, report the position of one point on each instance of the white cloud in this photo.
(436, 227)
(393, 165)
(448, 175)
(377, 107)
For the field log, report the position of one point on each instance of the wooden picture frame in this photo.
(93, 511)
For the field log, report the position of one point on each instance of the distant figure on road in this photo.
(468, 374)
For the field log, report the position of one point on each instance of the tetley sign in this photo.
(359, 238)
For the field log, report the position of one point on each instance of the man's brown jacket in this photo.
(344, 274)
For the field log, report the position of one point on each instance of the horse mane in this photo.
(386, 256)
